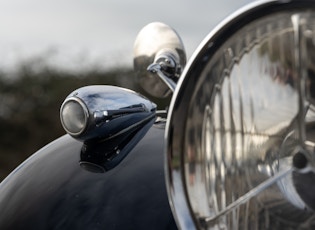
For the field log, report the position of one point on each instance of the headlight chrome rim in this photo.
(179, 109)
(85, 114)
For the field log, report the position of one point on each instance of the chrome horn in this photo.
(159, 58)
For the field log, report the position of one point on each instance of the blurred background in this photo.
(48, 48)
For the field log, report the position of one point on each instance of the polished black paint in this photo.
(101, 156)
(51, 191)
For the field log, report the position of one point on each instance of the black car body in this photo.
(235, 150)
(51, 191)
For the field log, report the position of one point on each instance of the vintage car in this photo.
(234, 150)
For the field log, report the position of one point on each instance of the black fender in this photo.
(51, 191)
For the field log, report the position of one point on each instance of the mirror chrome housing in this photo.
(102, 112)
(159, 58)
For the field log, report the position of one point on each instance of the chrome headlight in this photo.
(95, 113)
(240, 136)
(74, 116)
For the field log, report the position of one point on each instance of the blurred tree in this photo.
(29, 106)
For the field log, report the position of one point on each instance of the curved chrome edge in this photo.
(85, 110)
(174, 175)
(176, 194)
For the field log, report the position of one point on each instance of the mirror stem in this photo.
(156, 68)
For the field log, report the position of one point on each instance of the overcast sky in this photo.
(77, 32)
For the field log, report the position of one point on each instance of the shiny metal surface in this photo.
(241, 134)
(74, 116)
(51, 191)
(159, 58)
(106, 112)
(156, 68)
(103, 156)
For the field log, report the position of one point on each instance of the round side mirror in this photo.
(159, 58)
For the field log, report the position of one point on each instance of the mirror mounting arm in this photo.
(167, 66)
(158, 69)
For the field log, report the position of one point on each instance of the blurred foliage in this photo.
(29, 106)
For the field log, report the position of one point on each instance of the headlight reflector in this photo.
(243, 110)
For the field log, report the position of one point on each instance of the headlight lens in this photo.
(243, 111)
(74, 116)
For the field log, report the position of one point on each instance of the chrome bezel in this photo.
(175, 127)
(86, 115)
